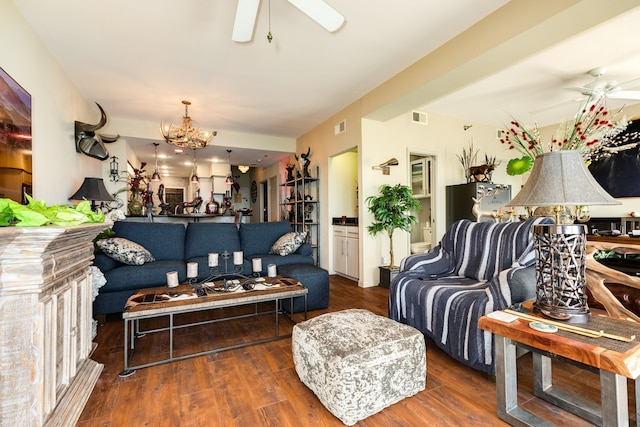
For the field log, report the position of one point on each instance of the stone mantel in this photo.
(46, 375)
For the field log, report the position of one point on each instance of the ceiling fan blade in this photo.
(625, 94)
(557, 106)
(321, 12)
(586, 91)
(629, 84)
(246, 14)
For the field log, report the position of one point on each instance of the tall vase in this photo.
(135, 204)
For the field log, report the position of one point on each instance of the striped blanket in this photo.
(477, 268)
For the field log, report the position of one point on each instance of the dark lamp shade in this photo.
(561, 178)
(92, 189)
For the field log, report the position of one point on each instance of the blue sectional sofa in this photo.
(173, 245)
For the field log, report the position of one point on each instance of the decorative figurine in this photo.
(304, 163)
(290, 168)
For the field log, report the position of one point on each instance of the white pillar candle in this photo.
(257, 265)
(192, 270)
(213, 259)
(172, 279)
(271, 270)
(237, 258)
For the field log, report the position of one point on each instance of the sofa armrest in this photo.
(513, 286)
(436, 262)
(304, 249)
(522, 283)
(104, 262)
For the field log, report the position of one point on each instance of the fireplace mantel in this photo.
(46, 375)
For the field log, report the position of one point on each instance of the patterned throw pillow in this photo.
(125, 251)
(288, 243)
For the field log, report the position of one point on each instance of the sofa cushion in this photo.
(203, 238)
(259, 237)
(164, 241)
(130, 277)
(288, 243)
(281, 260)
(125, 251)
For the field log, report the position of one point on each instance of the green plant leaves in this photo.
(392, 209)
(37, 213)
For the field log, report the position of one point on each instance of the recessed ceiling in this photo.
(139, 59)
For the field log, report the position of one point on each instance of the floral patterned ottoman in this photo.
(358, 363)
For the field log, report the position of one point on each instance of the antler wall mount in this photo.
(91, 143)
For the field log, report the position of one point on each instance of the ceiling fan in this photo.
(609, 88)
(318, 10)
(598, 88)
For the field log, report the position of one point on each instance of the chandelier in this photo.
(186, 136)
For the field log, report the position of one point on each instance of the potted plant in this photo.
(392, 210)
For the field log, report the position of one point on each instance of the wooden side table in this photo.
(615, 360)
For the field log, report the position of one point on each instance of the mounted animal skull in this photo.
(91, 143)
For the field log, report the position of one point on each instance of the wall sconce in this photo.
(384, 167)
(114, 175)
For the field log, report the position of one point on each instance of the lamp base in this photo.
(560, 272)
(575, 316)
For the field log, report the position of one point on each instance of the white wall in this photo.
(443, 137)
(58, 170)
(344, 178)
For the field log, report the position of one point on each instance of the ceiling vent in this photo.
(419, 117)
(341, 127)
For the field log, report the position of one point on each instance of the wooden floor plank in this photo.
(258, 385)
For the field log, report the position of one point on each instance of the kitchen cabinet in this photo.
(346, 253)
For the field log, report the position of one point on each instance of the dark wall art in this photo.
(616, 167)
(15, 139)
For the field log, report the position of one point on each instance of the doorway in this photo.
(422, 179)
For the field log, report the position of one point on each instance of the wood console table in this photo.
(46, 375)
(598, 274)
(615, 360)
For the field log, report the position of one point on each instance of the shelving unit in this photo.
(300, 207)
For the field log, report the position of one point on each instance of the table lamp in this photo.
(559, 179)
(92, 189)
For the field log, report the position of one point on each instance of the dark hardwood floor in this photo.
(258, 385)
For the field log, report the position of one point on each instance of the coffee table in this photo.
(160, 304)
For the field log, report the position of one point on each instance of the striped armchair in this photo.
(477, 268)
